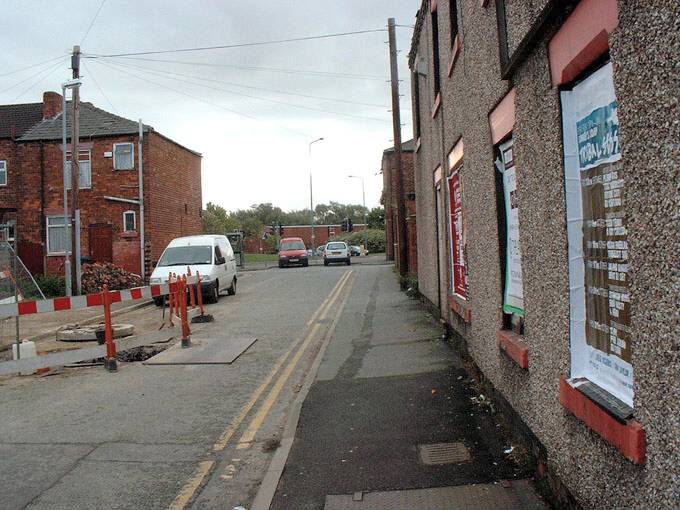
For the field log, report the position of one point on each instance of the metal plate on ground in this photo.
(519, 495)
(203, 351)
(443, 453)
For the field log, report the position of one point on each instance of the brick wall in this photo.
(8, 192)
(172, 179)
(173, 190)
(389, 167)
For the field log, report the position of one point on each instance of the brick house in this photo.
(31, 186)
(388, 168)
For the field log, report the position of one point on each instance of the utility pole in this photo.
(75, 170)
(142, 241)
(402, 249)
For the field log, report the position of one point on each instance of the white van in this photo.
(209, 255)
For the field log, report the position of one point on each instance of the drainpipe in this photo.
(141, 200)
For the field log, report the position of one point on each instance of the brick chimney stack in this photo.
(51, 106)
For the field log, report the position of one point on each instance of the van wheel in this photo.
(325, 262)
(348, 262)
(231, 291)
(214, 294)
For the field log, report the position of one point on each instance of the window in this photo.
(601, 341)
(435, 53)
(129, 221)
(123, 156)
(508, 228)
(458, 252)
(7, 234)
(58, 235)
(453, 20)
(218, 255)
(3, 173)
(84, 169)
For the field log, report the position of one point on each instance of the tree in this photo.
(376, 218)
(216, 220)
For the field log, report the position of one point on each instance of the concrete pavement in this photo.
(386, 388)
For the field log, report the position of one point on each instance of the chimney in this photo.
(51, 106)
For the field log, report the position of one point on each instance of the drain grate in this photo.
(444, 453)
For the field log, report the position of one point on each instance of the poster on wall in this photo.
(459, 280)
(601, 339)
(513, 297)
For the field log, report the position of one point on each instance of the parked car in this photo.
(292, 250)
(209, 255)
(320, 250)
(336, 251)
(355, 251)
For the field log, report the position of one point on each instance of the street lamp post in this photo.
(71, 84)
(363, 196)
(311, 195)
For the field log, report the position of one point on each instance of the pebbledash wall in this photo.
(507, 77)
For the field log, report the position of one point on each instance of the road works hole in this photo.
(134, 354)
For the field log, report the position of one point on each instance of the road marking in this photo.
(225, 437)
(249, 435)
(192, 485)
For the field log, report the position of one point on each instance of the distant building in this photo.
(389, 169)
(31, 186)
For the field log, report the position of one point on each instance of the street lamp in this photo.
(363, 196)
(311, 196)
(71, 84)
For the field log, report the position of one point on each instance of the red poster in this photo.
(459, 274)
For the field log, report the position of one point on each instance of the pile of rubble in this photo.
(95, 276)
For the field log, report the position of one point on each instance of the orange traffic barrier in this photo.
(182, 291)
(199, 292)
(192, 290)
(110, 362)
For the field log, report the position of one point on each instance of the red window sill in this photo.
(455, 51)
(512, 344)
(629, 437)
(461, 307)
(437, 104)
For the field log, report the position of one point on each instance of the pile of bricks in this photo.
(95, 276)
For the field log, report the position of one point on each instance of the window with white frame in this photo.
(3, 173)
(123, 156)
(84, 169)
(58, 235)
(129, 221)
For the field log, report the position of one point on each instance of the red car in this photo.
(292, 250)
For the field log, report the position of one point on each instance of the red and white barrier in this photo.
(77, 302)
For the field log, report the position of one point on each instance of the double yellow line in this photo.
(248, 437)
(301, 345)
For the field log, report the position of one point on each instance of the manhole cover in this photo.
(443, 453)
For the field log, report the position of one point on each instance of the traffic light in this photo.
(280, 229)
(345, 225)
(350, 225)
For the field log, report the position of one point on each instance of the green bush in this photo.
(409, 284)
(376, 239)
(51, 286)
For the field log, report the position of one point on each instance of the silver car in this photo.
(336, 251)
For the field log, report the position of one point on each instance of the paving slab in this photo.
(491, 496)
(204, 351)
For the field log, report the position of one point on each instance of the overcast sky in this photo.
(262, 154)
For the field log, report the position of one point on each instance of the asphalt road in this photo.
(196, 436)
